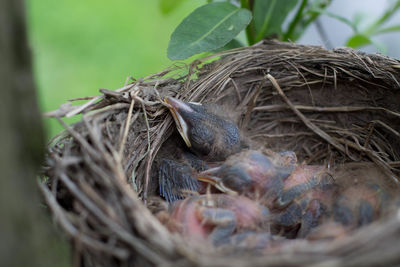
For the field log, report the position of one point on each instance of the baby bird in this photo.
(209, 137)
(359, 205)
(276, 180)
(216, 217)
(349, 209)
(295, 194)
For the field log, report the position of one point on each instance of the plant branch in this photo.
(387, 15)
(250, 31)
(295, 21)
(267, 18)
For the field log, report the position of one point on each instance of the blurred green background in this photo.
(81, 46)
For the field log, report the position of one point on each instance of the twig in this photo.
(79, 109)
(81, 98)
(252, 104)
(310, 125)
(116, 228)
(126, 130)
(236, 89)
(60, 217)
(279, 107)
(305, 82)
(148, 163)
(387, 127)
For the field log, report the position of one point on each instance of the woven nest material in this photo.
(331, 107)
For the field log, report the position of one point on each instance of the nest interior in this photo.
(331, 107)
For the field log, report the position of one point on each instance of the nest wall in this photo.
(329, 106)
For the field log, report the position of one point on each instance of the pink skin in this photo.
(302, 175)
(362, 192)
(301, 182)
(188, 216)
(249, 214)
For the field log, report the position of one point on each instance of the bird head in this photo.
(247, 172)
(207, 134)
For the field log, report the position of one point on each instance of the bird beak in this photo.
(208, 177)
(175, 106)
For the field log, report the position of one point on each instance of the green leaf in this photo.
(167, 6)
(304, 16)
(394, 28)
(297, 26)
(320, 3)
(340, 18)
(389, 12)
(270, 15)
(358, 40)
(207, 28)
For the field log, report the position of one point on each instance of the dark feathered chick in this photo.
(177, 176)
(294, 193)
(307, 211)
(254, 174)
(208, 136)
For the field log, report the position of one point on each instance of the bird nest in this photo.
(332, 107)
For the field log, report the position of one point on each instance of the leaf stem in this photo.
(250, 31)
(314, 13)
(267, 18)
(388, 13)
(288, 35)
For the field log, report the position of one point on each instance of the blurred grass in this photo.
(81, 46)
